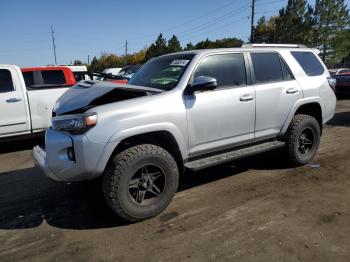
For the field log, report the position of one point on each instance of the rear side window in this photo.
(53, 77)
(28, 78)
(267, 67)
(285, 71)
(309, 62)
(6, 84)
(227, 69)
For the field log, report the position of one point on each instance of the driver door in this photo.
(224, 117)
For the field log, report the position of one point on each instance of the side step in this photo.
(233, 155)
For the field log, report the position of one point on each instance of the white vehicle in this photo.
(80, 72)
(109, 71)
(24, 110)
(113, 71)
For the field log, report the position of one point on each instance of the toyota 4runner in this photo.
(187, 110)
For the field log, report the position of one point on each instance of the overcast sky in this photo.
(85, 28)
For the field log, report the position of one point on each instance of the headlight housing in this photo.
(74, 124)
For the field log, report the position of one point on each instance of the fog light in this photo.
(70, 153)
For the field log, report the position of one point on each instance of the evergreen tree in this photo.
(95, 65)
(295, 23)
(173, 45)
(159, 47)
(189, 46)
(332, 18)
(264, 31)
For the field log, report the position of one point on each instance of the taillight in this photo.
(332, 82)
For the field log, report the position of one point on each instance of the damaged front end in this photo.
(89, 94)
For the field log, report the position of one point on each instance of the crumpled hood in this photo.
(87, 94)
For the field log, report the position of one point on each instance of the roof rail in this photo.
(275, 45)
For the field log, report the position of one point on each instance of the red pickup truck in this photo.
(48, 77)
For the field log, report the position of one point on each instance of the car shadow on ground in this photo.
(340, 119)
(20, 143)
(28, 198)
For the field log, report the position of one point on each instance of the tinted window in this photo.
(6, 84)
(53, 77)
(28, 78)
(285, 71)
(309, 62)
(227, 69)
(267, 67)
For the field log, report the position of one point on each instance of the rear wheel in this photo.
(140, 182)
(303, 139)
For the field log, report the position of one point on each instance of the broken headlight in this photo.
(75, 124)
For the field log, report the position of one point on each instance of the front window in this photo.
(163, 72)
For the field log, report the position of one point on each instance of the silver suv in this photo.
(191, 110)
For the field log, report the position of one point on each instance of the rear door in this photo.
(49, 86)
(13, 113)
(276, 91)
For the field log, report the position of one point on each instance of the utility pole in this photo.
(54, 46)
(126, 47)
(252, 22)
(88, 59)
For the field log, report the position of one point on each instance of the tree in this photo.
(221, 43)
(173, 45)
(77, 62)
(95, 65)
(159, 47)
(332, 18)
(189, 46)
(295, 23)
(264, 31)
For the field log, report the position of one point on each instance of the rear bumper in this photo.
(90, 158)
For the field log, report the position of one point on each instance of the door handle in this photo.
(292, 90)
(246, 98)
(13, 100)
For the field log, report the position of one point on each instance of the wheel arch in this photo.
(310, 107)
(161, 138)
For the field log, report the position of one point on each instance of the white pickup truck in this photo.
(24, 110)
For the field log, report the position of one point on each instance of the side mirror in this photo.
(202, 83)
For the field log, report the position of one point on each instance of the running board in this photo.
(233, 155)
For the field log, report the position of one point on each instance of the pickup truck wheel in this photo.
(140, 182)
(303, 139)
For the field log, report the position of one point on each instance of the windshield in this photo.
(163, 72)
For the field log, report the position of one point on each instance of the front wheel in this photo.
(140, 182)
(303, 139)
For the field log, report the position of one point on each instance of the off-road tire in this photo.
(120, 170)
(299, 124)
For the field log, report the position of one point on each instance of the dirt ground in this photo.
(257, 209)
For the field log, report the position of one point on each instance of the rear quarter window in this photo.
(28, 79)
(309, 62)
(6, 83)
(53, 77)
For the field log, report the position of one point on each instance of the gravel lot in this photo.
(256, 209)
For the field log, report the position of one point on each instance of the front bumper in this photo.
(39, 157)
(90, 158)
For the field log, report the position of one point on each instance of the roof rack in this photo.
(275, 45)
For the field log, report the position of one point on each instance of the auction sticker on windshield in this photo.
(179, 62)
